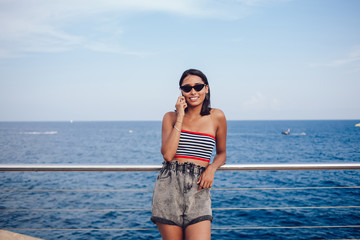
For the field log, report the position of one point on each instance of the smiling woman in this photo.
(181, 205)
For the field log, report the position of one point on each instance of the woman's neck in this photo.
(193, 112)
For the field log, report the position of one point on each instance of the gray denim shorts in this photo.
(176, 199)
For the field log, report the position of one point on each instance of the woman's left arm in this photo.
(207, 177)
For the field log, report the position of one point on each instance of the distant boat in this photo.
(357, 125)
(286, 132)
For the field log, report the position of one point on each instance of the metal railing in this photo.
(147, 168)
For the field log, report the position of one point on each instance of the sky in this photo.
(104, 60)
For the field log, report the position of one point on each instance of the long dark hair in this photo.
(205, 109)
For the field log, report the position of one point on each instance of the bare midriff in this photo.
(198, 162)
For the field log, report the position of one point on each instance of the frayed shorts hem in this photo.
(162, 220)
(200, 219)
(169, 222)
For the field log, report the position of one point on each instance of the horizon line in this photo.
(149, 120)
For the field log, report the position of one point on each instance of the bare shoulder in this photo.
(169, 116)
(218, 114)
(220, 123)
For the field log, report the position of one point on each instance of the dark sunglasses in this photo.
(197, 87)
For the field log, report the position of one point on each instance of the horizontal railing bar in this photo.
(283, 208)
(150, 190)
(144, 209)
(149, 168)
(154, 229)
(280, 188)
(280, 227)
(76, 168)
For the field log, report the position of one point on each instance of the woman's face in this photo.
(194, 98)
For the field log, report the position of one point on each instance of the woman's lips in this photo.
(193, 99)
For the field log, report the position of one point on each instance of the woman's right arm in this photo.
(171, 129)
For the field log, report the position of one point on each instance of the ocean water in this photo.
(246, 204)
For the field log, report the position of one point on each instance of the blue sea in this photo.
(116, 205)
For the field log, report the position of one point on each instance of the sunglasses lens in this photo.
(186, 88)
(199, 87)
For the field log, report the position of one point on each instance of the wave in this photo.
(40, 133)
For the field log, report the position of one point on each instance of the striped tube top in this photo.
(195, 145)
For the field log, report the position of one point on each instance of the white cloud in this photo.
(349, 59)
(43, 26)
(352, 57)
(110, 48)
(259, 2)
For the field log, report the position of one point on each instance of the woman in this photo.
(181, 202)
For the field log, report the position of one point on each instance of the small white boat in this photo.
(357, 125)
(286, 132)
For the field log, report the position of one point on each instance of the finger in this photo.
(198, 182)
(201, 185)
(206, 185)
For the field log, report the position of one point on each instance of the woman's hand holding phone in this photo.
(180, 106)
